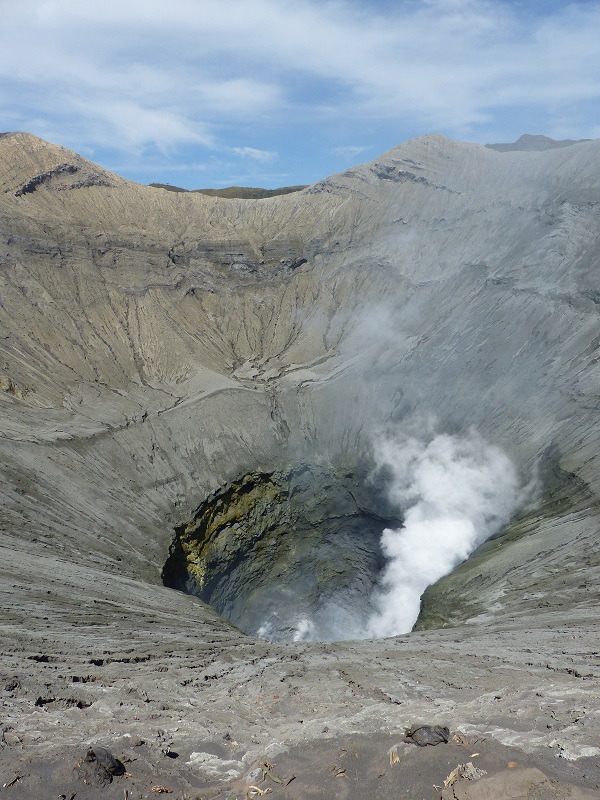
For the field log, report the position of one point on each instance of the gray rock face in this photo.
(156, 347)
(286, 555)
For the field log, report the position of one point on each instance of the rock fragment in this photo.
(99, 766)
(423, 735)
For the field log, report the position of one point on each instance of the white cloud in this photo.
(149, 73)
(137, 125)
(264, 156)
(239, 97)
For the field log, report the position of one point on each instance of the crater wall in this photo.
(156, 347)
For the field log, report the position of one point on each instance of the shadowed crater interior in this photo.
(286, 555)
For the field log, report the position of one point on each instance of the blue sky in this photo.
(276, 92)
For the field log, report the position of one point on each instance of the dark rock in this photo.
(298, 263)
(427, 734)
(44, 177)
(99, 767)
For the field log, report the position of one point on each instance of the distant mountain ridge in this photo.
(234, 192)
(530, 142)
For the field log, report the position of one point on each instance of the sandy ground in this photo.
(352, 767)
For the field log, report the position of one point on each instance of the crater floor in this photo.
(157, 347)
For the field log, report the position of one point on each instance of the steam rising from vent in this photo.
(323, 553)
(454, 492)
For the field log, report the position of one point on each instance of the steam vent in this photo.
(231, 433)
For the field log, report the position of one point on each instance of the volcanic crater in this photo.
(191, 391)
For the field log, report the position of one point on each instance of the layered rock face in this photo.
(159, 351)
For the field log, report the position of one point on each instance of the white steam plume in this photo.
(304, 631)
(454, 493)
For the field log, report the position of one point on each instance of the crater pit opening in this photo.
(286, 555)
(323, 553)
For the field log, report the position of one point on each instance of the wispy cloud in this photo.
(137, 125)
(264, 156)
(272, 75)
(350, 152)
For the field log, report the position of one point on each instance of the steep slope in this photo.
(157, 347)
